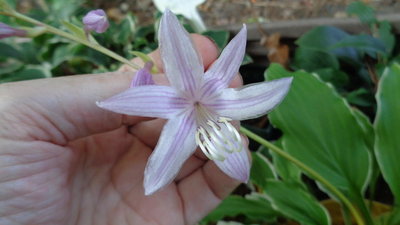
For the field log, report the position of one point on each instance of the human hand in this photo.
(63, 160)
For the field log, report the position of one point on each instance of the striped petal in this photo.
(182, 64)
(227, 65)
(148, 100)
(236, 165)
(251, 101)
(175, 145)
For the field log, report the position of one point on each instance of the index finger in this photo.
(66, 105)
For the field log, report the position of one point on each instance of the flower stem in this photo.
(62, 33)
(308, 170)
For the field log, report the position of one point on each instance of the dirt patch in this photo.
(220, 13)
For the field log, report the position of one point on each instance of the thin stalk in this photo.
(308, 170)
(59, 32)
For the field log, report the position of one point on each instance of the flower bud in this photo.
(143, 76)
(7, 31)
(96, 20)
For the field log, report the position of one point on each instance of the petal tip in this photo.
(149, 191)
(150, 187)
(100, 104)
(287, 81)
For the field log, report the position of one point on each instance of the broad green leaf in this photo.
(334, 76)
(388, 218)
(261, 170)
(220, 37)
(365, 44)
(286, 170)
(320, 129)
(387, 126)
(294, 202)
(256, 208)
(325, 36)
(312, 59)
(364, 12)
(366, 126)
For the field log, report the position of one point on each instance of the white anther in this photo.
(218, 139)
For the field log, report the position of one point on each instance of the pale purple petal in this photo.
(182, 64)
(149, 100)
(227, 65)
(96, 20)
(175, 145)
(143, 76)
(7, 31)
(236, 165)
(251, 101)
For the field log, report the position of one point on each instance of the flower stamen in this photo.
(218, 138)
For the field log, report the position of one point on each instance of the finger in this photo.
(203, 190)
(66, 106)
(206, 48)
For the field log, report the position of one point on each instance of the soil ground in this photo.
(220, 13)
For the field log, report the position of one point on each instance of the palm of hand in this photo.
(65, 161)
(94, 180)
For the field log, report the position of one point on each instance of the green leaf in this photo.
(126, 30)
(361, 97)
(247, 59)
(320, 129)
(292, 201)
(8, 50)
(312, 59)
(10, 66)
(78, 31)
(366, 126)
(334, 76)
(220, 37)
(365, 44)
(28, 73)
(387, 126)
(364, 12)
(5, 6)
(386, 35)
(77, 52)
(325, 36)
(285, 169)
(261, 170)
(256, 208)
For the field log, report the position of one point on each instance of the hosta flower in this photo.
(96, 20)
(7, 31)
(199, 106)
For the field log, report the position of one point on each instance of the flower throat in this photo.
(216, 137)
